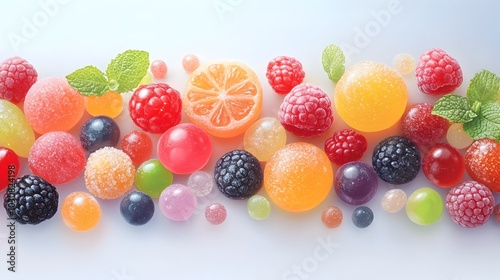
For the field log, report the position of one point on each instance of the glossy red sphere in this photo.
(137, 145)
(9, 167)
(443, 165)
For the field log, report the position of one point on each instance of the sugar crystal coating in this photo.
(332, 217)
(393, 200)
(215, 213)
(15, 131)
(80, 211)
(482, 162)
(264, 138)
(177, 202)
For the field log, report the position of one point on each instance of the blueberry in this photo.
(99, 132)
(362, 217)
(137, 208)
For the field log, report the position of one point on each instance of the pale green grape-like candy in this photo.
(457, 137)
(424, 206)
(15, 131)
(264, 138)
(258, 207)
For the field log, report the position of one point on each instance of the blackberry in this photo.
(396, 160)
(238, 174)
(31, 200)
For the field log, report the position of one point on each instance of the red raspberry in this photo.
(306, 111)
(284, 73)
(437, 72)
(155, 107)
(344, 146)
(422, 127)
(16, 78)
(470, 204)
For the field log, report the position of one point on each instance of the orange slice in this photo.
(224, 98)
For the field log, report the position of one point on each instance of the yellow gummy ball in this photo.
(370, 97)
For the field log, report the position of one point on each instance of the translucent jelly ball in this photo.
(215, 213)
(190, 62)
(258, 207)
(9, 167)
(404, 63)
(80, 211)
(443, 165)
(57, 157)
(356, 182)
(110, 104)
(201, 183)
(370, 97)
(99, 132)
(137, 208)
(264, 138)
(424, 206)
(109, 173)
(158, 69)
(298, 177)
(362, 217)
(184, 148)
(177, 202)
(19, 137)
(51, 104)
(332, 217)
(393, 200)
(152, 178)
(457, 137)
(137, 145)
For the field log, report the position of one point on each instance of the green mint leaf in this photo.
(487, 123)
(455, 108)
(333, 61)
(484, 87)
(88, 81)
(127, 69)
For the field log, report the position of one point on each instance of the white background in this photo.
(71, 34)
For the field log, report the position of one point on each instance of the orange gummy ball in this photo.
(298, 177)
(370, 97)
(110, 104)
(80, 211)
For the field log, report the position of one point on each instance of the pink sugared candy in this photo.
(51, 104)
(57, 157)
(184, 148)
(215, 213)
(177, 202)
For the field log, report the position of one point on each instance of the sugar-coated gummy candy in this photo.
(424, 206)
(482, 162)
(258, 207)
(51, 104)
(57, 157)
(9, 167)
(99, 132)
(15, 131)
(177, 202)
(332, 217)
(264, 138)
(362, 217)
(152, 178)
(137, 145)
(184, 148)
(110, 104)
(356, 182)
(370, 96)
(80, 211)
(137, 208)
(215, 213)
(298, 177)
(201, 183)
(109, 173)
(393, 200)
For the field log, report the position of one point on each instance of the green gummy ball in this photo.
(258, 207)
(152, 178)
(425, 206)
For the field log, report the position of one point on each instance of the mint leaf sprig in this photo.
(123, 74)
(479, 110)
(333, 61)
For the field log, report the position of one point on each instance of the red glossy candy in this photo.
(137, 145)
(443, 165)
(9, 167)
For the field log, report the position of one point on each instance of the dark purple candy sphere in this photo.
(356, 182)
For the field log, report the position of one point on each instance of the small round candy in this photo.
(152, 178)
(137, 208)
(137, 145)
(264, 138)
(457, 137)
(215, 213)
(298, 177)
(9, 167)
(159, 69)
(190, 62)
(99, 132)
(332, 217)
(51, 104)
(201, 183)
(19, 137)
(57, 157)
(362, 217)
(443, 165)
(109, 173)
(258, 207)
(184, 148)
(110, 104)
(393, 200)
(177, 202)
(404, 63)
(356, 182)
(424, 206)
(80, 211)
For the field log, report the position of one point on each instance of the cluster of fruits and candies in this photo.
(225, 99)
